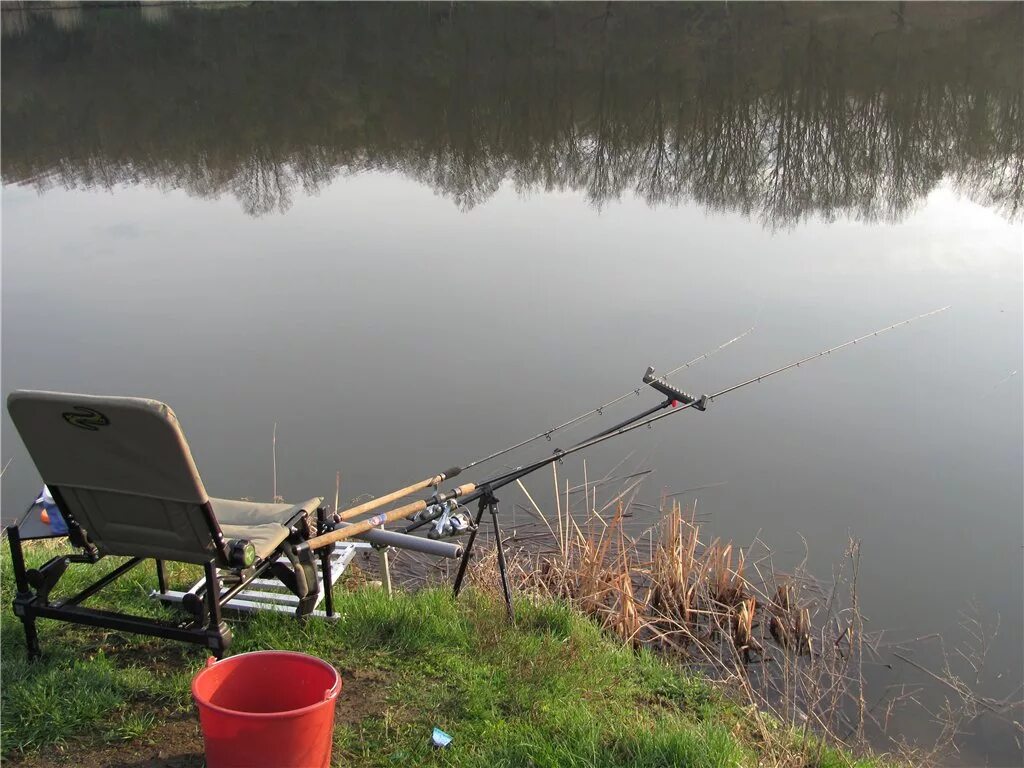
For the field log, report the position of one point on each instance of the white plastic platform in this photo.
(271, 594)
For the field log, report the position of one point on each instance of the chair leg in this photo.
(328, 587)
(213, 594)
(218, 634)
(325, 565)
(18, 562)
(31, 638)
(161, 577)
(24, 595)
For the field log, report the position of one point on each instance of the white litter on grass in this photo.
(440, 739)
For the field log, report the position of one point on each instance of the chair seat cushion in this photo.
(265, 525)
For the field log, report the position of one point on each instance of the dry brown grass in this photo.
(792, 647)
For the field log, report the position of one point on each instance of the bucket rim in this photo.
(330, 694)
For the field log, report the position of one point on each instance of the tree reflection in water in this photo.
(780, 112)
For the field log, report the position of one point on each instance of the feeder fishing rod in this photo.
(600, 409)
(472, 491)
(436, 480)
(698, 403)
(472, 488)
(430, 482)
(676, 396)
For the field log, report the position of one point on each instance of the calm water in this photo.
(411, 235)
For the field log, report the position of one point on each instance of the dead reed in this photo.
(791, 646)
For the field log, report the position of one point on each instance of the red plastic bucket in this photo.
(267, 708)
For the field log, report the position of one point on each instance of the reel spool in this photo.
(448, 519)
(454, 524)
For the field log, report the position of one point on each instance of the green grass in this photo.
(550, 691)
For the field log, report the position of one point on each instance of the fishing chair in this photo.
(123, 478)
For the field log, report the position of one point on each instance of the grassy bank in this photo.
(553, 690)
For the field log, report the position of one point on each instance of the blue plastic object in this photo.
(440, 739)
(56, 521)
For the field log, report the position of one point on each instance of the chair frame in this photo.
(207, 627)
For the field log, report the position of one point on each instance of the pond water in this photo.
(411, 235)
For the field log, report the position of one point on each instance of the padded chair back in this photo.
(122, 469)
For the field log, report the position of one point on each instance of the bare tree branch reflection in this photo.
(779, 112)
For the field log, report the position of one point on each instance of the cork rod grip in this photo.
(326, 539)
(387, 498)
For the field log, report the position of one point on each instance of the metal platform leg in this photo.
(266, 593)
(385, 570)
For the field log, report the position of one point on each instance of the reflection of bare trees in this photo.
(19, 17)
(263, 184)
(777, 112)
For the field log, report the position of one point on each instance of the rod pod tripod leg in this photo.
(457, 588)
(489, 502)
(492, 506)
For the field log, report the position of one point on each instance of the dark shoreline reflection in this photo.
(778, 112)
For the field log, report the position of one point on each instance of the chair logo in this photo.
(85, 418)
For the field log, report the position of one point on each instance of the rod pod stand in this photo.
(489, 502)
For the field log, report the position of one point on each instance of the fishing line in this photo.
(600, 409)
(468, 493)
(483, 490)
(649, 421)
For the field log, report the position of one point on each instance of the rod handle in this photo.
(384, 518)
(363, 526)
(387, 498)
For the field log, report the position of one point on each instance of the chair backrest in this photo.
(122, 469)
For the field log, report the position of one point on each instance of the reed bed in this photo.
(793, 648)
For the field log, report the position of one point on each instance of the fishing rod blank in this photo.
(430, 482)
(382, 519)
(497, 482)
(472, 491)
(615, 401)
(438, 504)
(436, 480)
(695, 403)
(673, 397)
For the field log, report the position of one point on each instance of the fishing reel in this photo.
(447, 518)
(450, 523)
(428, 513)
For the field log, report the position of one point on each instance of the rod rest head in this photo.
(674, 393)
